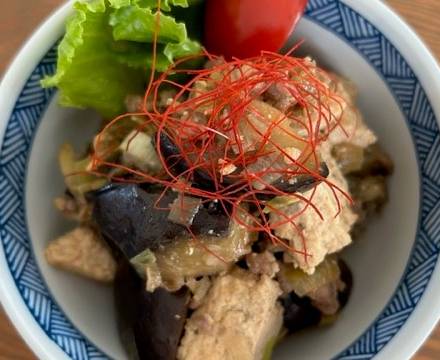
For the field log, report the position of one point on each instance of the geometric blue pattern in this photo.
(380, 54)
(14, 236)
(410, 96)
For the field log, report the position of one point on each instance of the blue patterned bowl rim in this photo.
(335, 16)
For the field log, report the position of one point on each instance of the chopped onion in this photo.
(303, 284)
(184, 209)
(266, 170)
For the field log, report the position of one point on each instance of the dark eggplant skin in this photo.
(150, 324)
(347, 278)
(125, 215)
(178, 165)
(170, 152)
(299, 313)
(133, 219)
(207, 222)
(302, 184)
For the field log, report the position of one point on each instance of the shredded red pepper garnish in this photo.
(218, 122)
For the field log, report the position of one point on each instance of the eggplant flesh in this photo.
(150, 324)
(134, 220)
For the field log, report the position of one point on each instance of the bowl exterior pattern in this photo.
(366, 40)
(409, 94)
(14, 237)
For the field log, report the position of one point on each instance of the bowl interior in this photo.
(378, 259)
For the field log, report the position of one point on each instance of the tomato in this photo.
(242, 28)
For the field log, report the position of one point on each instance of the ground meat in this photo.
(138, 152)
(134, 103)
(279, 97)
(73, 209)
(199, 289)
(263, 264)
(325, 298)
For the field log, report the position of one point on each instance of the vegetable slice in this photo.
(208, 255)
(138, 24)
(135, 220)
(107, 51)
(77, 180)
(89, 74)
(150, 324)
(244, 28)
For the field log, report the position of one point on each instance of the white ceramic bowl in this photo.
(395, 302)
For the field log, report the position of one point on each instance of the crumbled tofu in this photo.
(263, 264)
(280, 96)
(353, 130)
(82, 251)
(138, 150)
(319, 236)
(238, 317)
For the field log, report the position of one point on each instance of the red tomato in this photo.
(242, 28)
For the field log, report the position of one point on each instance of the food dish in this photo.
(219, 202)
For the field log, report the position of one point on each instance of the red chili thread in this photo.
(232, 132)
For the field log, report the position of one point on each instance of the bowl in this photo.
(394, 304)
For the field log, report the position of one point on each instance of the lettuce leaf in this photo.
(106, 52)
(89, 72)
(136, 56)
(116, 4)
(181, 50)
(139, 24)
(165, 5)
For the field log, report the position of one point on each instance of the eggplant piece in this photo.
(299, 313)
(175, 162)
(376, 162)
(347, 279)
(135, 220)
(126, 215)
(208, 223)
(178, 165)
(187, 259)
(302, 183)
(150, 324)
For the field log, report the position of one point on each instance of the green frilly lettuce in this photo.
(106, 52)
